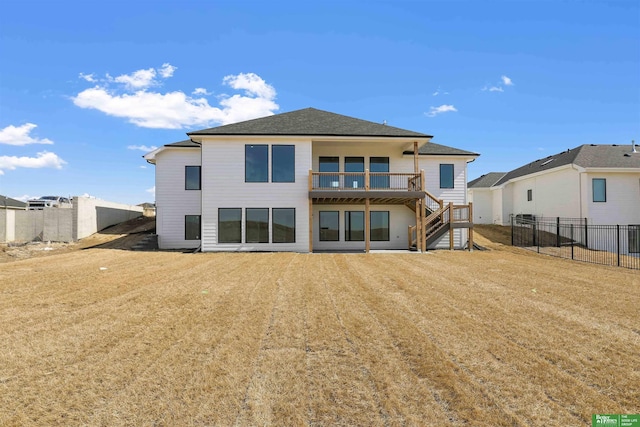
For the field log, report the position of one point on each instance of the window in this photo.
(529, 195)
(283, 163)
(354, 226)
(257, 225)
(256, 163)
(634, 239)
(329, 164)
(446, 176)
(599, 189)
(354, 164)
(379, 226)
(379, 164)
(192, 177)
(284, 225)
(192, 227)
(329, 226)
(229, 225)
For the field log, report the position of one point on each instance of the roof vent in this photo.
(633, 146)
(547, 162)
(384, 123)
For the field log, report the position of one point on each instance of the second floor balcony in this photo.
(394, 187)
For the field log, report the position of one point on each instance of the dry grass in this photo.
(504, 337)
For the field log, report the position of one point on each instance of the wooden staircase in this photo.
(439, 219)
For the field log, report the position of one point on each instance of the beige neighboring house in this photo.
(9, 203)
(310, 180)
(597, 182)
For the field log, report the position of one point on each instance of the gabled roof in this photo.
(486, 180)
(586, 156)
(433, 149)
(11, 203)
(310, 122)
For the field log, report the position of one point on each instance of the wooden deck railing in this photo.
(366, 181)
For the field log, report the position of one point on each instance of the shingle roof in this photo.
(9, 202)
(310, 121)
(486, 180)
(433, 149)
(186, 143)
(586, 156)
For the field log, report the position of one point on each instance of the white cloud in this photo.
(151, 190)
(507, 81)
(167, 70)
(144, 148)
(140, 79)
(504, 81)
(493, 89)
(88, 77)
(19, 135)
(433, 111)
(143, 167)
(200, 91)
(177, 110)
(44, 159)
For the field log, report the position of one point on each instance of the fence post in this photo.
(512, 231)
(586, 234)
(571, 240)
(618, 242)
(558, 231)
(534, 230)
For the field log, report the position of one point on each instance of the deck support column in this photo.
(367, 236)
(310, 212)
(450, 226)
(423, 214)
(471, 227)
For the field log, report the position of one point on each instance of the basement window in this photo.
(192, 227)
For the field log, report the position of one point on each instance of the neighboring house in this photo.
(597, 182)
(9, 203)
(310, 180)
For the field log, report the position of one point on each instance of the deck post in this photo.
(415, 157)
(418, 228)
(366, 179)
(310, 213)
(450, 226)
(471, 227)
(367, 236)
(423, 224)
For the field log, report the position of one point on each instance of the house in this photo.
(597, 182)
(310, 180)
(9, 203)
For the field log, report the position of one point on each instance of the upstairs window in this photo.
(256, 163)
(192, 177)
(329, 164)
(599, 189)
(446, 176)
(356, 165)
(529, 195)
(283, 163)
(378, 165)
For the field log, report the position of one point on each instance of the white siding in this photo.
(224, 186)
(173, 202)
(623, 199)
(555, 193)
(482, 199)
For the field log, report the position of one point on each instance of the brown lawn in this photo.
(497, 338)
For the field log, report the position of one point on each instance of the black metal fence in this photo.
(574, 238)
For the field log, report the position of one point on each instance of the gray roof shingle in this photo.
(9, 202)
(310, 121)
(486, 180)
(586, 156)
(433, 149)
(187, 143)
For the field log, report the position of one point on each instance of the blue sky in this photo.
(86, 87)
